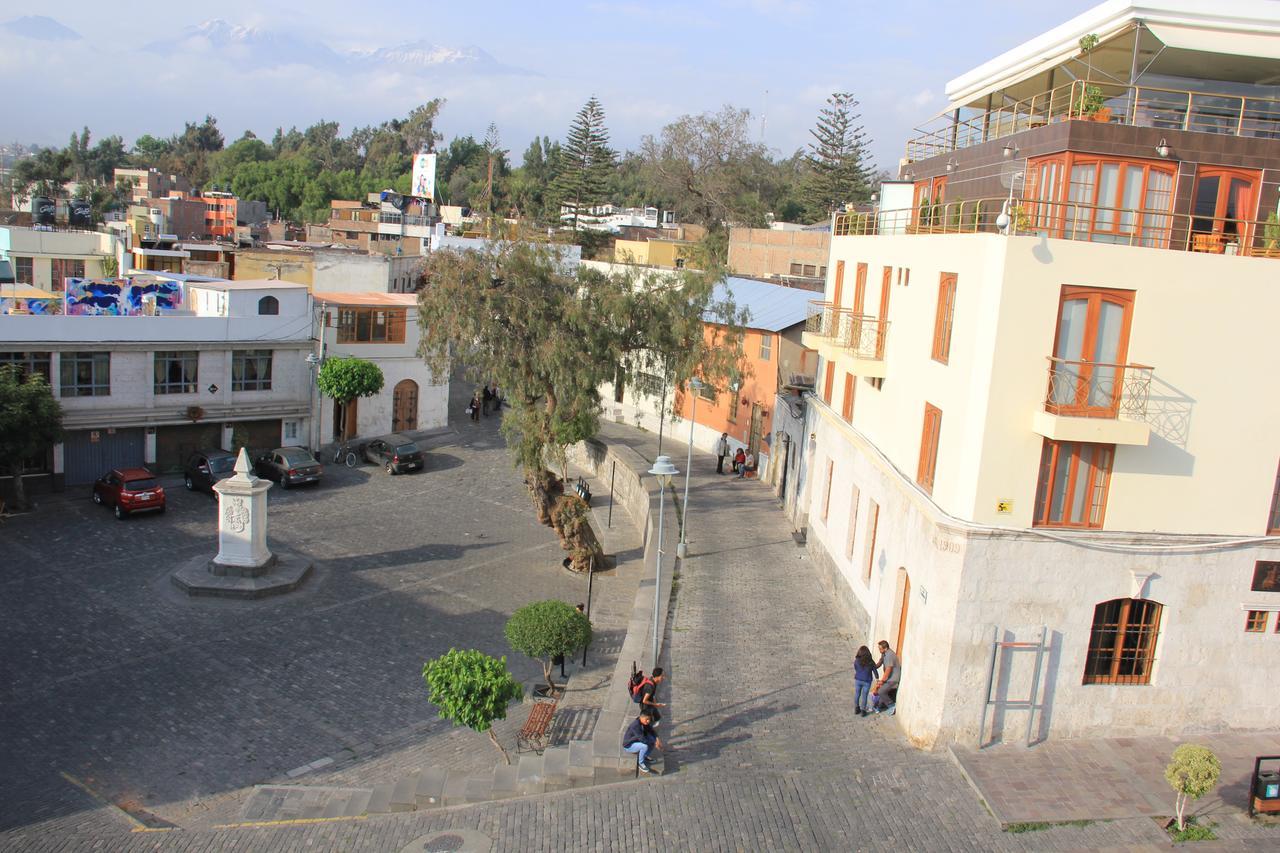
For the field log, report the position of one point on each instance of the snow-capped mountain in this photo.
(40, 28)
(259, 47)
(424, 55)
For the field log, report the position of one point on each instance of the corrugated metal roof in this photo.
(771, 307)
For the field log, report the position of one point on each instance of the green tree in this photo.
(472, 689)
(837, 160)
(545, 630)
(1192, 772)
(149, 150)
(549, 335)
(586, 161)
(30, 423)
(344, 379)
(706, 165)
(43, 174)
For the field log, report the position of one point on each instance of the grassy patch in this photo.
(1037, 826)
(1193, 832)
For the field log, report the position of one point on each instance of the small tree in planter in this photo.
(1192, 772)
(345, 379)
(545, 630)
(472, 689)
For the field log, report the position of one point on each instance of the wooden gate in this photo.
(404, 406)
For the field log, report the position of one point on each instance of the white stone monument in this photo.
(244, 567)
(242, 519)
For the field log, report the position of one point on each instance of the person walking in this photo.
(864, 672)
(722, 452)
(886, 688)
(474, 408)
(641, 739)
(486, 399)
(649, 703)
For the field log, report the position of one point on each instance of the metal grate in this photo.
(1123, 641)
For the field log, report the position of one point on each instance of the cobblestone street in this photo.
(766, 753)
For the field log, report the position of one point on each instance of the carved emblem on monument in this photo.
(236, 515)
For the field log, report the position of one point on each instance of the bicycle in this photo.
(344, 452)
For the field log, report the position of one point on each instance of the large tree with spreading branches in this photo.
(550, 334)
(838, 165)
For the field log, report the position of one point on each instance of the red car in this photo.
(129, 490)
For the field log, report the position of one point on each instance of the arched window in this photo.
(268, 305)
(1122, 644)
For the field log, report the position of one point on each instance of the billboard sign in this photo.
(424, 176)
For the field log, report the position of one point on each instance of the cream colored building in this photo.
(1058, 414)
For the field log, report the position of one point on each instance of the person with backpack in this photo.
(641, 739)
(864, 672)
(644, 691)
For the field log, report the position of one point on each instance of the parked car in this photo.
(207, 467)
(129, 490)
(395, 453)
(289, 466)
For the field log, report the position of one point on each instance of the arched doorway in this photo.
(404, 406)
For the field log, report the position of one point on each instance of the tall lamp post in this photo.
(662, 471)
(682, 550)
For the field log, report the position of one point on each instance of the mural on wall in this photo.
(120, 297)
(42, 305)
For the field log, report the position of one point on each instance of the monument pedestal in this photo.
(244, 566)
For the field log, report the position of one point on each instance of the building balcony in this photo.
(1110, 103)
(838, 334)
(1072, 220)
(1095, 402)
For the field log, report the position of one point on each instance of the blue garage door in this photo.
(88, 454)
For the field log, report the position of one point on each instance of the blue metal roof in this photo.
(770, 307)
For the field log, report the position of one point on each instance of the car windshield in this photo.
(140, 485)
(222, 464)
(297, 457)
(407, 448)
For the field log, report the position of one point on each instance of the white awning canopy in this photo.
(1241, 36)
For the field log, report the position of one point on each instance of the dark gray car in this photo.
(206, 467)
(395, 453)
(289, 466)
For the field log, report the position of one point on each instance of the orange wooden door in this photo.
(904, 606)
(1091, 346)
(860, 289)
(839, 291)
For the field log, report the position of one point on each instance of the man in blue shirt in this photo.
(641, 739)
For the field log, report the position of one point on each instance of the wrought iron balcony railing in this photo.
(1074, 220)
(1112, 103)
(863, 335)
(1087, 389)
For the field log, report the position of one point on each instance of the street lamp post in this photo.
(662, 471)
(682, 550)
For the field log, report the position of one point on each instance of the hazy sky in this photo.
(649, 62)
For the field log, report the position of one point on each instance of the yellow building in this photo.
(668, 254)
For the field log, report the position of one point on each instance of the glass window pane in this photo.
(1108, 181)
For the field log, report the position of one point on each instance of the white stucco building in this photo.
(381, 328)
(1046, 398)
(229, 364)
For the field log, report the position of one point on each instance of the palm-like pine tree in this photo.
(839, 167)
(586, 161)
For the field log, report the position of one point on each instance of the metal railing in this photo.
(1072, 220)
(862, 334)
(1088, 389)
(1137, 106)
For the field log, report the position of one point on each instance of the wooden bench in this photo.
(535, 734)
